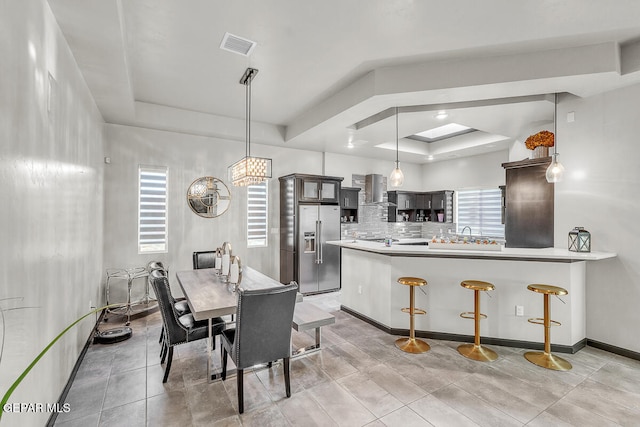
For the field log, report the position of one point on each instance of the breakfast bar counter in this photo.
(370, 269)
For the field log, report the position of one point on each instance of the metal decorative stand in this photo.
(128, 274)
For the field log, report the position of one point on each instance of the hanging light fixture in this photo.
(397, 177)
(249, 170)
(555, 171)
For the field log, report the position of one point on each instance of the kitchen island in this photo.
(369, 290)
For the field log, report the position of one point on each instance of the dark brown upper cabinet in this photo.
(529, 204)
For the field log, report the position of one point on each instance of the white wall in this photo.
(482, 171)
(51, 217)
(600, 192)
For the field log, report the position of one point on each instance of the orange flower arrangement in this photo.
(541, 139)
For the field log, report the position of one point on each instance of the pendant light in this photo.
(555, 171)
(249, 170)
(397, 177)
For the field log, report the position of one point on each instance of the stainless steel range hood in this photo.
(374, 190)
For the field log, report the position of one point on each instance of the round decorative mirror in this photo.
(208, 197)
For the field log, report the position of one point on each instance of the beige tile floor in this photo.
(359, 378)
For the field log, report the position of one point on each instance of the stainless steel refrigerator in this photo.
(318, 262)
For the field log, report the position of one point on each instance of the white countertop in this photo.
(399, 249)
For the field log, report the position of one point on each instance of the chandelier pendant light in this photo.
(249, 170)
(555, 171)
(397, 177)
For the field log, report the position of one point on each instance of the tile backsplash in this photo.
(372, 221)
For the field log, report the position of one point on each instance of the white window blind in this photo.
(257, 210)
(481, 210)
(152, 209)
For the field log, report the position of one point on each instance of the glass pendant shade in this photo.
(555, 171)
(396, 178)
(249, 170)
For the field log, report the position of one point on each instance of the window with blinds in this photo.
(481, 210)
(152, 209)
(257, 215)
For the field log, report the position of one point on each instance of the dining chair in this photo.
(178, 329)
(204, 259)
(262, 333)
(181, 305)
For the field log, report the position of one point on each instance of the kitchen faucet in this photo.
(464, 228)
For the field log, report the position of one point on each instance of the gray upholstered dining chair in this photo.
(178, 329)
(181, 306)
(204, 259)
(262, 333)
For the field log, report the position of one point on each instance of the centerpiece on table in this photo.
(539, 144)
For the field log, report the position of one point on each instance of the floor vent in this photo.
(237, 44)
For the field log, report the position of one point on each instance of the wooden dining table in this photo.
(209, 295)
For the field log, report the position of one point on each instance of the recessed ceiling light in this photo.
(350, 145)
(236, 44)
(430, 157)
(442, 115)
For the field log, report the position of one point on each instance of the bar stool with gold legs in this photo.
(411, 344)
(475, 351)
(546, 359)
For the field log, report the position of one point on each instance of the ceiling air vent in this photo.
(237, 44)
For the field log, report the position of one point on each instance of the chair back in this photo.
(155, 265)
(205, 259)
(159, 271)
(175, 332)
(264, 321)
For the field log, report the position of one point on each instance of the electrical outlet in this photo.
(519, 310)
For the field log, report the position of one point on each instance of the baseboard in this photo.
(613, 349)
(467, 338)
(366, 319)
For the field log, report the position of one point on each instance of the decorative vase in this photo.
(539, 152)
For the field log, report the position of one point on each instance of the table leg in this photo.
(309, 349)
(210, 376)
(318, 338)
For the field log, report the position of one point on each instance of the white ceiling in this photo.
(326, 65)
